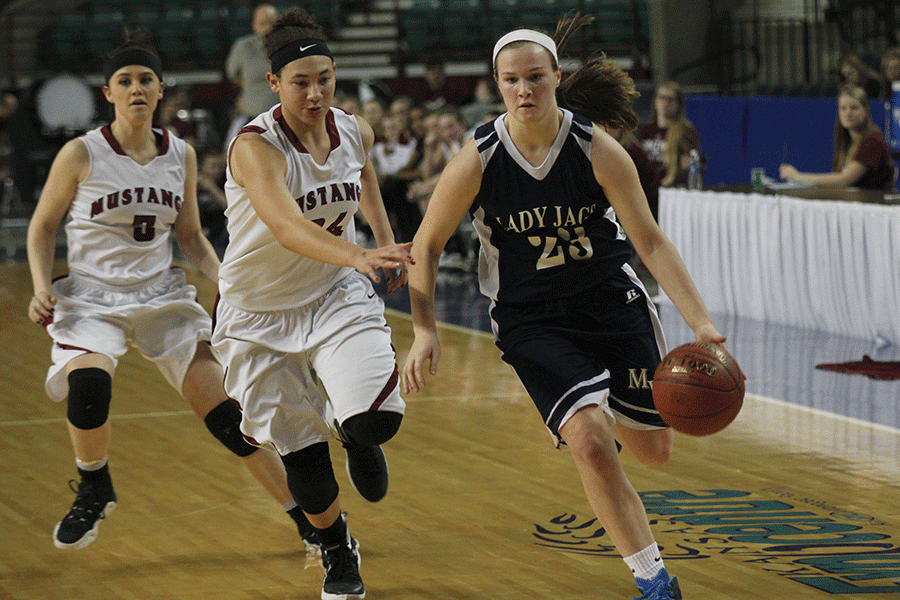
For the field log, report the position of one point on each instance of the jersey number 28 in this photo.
(574, 243)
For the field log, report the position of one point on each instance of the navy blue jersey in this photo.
(548, 231)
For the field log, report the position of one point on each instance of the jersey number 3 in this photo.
(573, 243)
(144, 227)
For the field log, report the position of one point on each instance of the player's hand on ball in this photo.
(707, 333)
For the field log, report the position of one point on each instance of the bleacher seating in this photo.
(465, 29)
(195, 35)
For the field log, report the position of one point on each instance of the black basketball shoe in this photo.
(341, 564)
(367, 468)
(80, 527)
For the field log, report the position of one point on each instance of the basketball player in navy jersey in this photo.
(297, 306)
(129, 190)
(547, 188)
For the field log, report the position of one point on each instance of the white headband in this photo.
(526, 35)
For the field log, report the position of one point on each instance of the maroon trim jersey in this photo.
(119, 226)
(257, 272)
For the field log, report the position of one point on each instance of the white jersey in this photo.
(119, 227)
(257, 272)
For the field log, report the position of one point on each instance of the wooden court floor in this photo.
(785, 504)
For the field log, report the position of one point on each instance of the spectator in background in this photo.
(890, 70)
(854, 71)
(647, 174)
(669, 139)
(174, 110)
(373, 112)
(441, 144)
(484, 101)
(396, 157)
(349, 103)
(246, 66)
(419, 119)
(436, 92)
(211, 199)
(401, 107)
(861, 156)
(9, 104)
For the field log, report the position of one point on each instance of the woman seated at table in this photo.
(861, 156)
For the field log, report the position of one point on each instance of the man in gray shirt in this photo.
(247, 65)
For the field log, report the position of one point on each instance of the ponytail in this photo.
(600, 90)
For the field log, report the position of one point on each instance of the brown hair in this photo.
(600, 90)
(134, 37)
(844, 148)
(295, 24)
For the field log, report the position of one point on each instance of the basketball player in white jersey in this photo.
(296, 304)
(546, 188)
(128, 191)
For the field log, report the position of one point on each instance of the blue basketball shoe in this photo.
(661, 587)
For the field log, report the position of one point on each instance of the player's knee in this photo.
(224, 422)
(655, 449)
(310, 478)
(371, 428)
(90, 393)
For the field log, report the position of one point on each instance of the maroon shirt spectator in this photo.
(876, 156)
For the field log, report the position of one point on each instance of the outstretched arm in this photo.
(850, 174)
(261, 169)
(452, 197)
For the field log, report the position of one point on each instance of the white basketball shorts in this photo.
(274, 360)
(162, 319)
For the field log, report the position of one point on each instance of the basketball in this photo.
(698, 388)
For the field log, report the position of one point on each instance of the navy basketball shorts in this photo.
(600, 348)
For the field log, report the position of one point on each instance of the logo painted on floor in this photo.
(802, 539)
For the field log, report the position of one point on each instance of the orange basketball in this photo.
(698, 388)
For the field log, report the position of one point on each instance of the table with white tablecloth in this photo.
(821, 264)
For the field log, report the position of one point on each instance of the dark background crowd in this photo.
(420, 117)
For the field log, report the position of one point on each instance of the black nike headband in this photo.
(298, 49)
(132, 56)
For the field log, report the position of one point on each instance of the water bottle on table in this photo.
(695, 171)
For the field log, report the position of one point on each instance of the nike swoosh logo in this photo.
(305, 48)
(370, 296)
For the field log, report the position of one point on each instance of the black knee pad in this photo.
(370, 428)
(310, 478)
(224, 422)
(90, 392)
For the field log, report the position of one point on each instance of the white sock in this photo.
(647, 563)
(95, 465)
(289, 505)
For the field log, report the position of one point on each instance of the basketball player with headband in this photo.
(297, 307)
(129, 190)
(547, 189)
